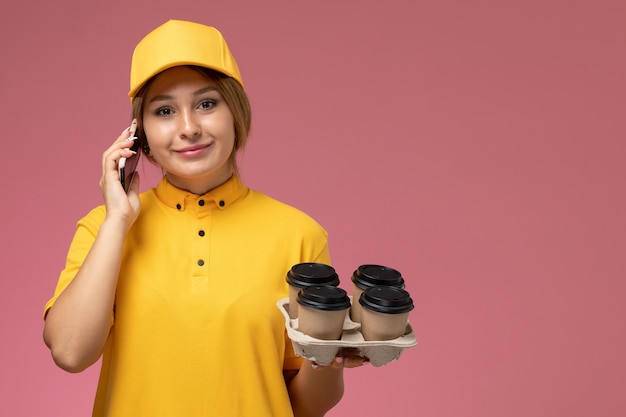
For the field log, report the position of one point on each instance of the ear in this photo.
(145, 147)
(143, 141)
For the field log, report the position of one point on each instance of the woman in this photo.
(176, 288)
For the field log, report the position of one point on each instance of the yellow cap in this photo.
(178, 42)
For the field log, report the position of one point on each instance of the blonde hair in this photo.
(233, 94)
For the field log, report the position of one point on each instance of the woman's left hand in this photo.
(347, 358)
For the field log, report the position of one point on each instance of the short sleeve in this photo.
(86, 231)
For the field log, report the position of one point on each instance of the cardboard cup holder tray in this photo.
(324, 351)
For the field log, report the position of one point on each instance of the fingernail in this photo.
(131, 139)
(314, 366)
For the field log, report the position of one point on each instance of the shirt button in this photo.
(201, 232)
(178, 206)
(201, 203)
(200, 262)
(222, 203)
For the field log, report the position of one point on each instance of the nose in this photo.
(189, 126)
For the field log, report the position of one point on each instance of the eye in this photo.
(163, 111)
(207, 104)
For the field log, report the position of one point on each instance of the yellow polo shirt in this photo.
(196, 331)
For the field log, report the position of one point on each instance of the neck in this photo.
(198, 186)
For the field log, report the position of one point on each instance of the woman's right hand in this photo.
(119, 205)
(79, 323)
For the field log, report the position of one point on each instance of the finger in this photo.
(124, 135)
(350, 358)
(112, 155)
(355, 362)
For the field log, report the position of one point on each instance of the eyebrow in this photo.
(196, 93)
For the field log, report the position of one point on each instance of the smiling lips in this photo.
(192, 151)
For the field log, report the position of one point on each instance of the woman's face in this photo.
(189, 129)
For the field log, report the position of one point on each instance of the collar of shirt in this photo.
(222, 196)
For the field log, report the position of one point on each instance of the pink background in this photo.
(476, 146)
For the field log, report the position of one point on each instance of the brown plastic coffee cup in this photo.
(322, 311)
(368, 276)
(385, 312)
(306, 274)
